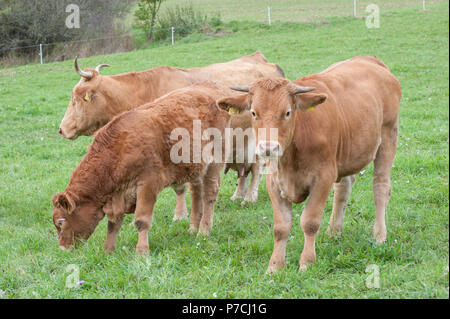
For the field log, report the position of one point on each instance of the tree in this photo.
(146, 15)
(30, 22)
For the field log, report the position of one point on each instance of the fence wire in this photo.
(266, 11)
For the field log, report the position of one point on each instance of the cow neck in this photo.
(288, 177)
(121, 97)
(285, 161)
(90, 181)
(137, 88)
(150, 82)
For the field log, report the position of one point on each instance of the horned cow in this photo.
(355, 122)
(129, 163)
(97, 98)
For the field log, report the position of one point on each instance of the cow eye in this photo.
(288, 113)
(60, 221)
(253, 113)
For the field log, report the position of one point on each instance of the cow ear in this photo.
(306, 101)
(83, 94)
(65, 202)
(234, 104)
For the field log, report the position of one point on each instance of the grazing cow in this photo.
(356, 123)
(130, 162)
(96, 99)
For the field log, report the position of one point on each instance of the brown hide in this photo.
(95, 101)
(129, 163)
(354, 122)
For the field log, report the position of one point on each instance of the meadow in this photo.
(290, 10)
(36, 163)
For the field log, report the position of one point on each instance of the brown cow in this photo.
(244, 144)
(96, 99)
(130, 162)
(356, 123)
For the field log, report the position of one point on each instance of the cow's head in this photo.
(273, 104)
(74, 220)
(85, 114)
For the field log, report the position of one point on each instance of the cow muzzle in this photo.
(71, 136)
(269, 149)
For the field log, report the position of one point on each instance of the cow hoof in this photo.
(65, 248)
(251, 197)
(334, 232)
(271, 271)
(275, 266)
(108, 249)
(193, 230)
(307, 259)
(144, 251)
(180, 216)
(380, 238)
(379, 233)
(303, 267)
(234, 197)
(205, 231)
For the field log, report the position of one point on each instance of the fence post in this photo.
(268, 14)
(354, 8)
(40, 52)
(173, 31)
(423, 5)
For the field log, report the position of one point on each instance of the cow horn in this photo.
(303, 89)
(240, 88)
(101, 66)
(87, 75)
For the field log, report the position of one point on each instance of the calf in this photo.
(97, 98)
(355, 124)
(130, 162)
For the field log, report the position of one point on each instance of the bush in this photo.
(30, 22)
(146, 16)
(186, 20)
(216, 21)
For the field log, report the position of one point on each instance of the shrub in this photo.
(186, 20)
(146, 16)
(30, 22)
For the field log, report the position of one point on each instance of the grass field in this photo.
(35, 163)
(290, 10)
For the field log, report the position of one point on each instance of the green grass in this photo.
(35, 163)
(289, 10)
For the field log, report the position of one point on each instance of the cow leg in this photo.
(195, 188)
(241, 188)
(111, 236)
(180, 209)
(282, 224)
(145, 201)
(382, 180)
(211, 183)
(310, 220)
(252, 193)
(342, 192)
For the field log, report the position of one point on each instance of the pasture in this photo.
(291, 10)
(36, 163)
